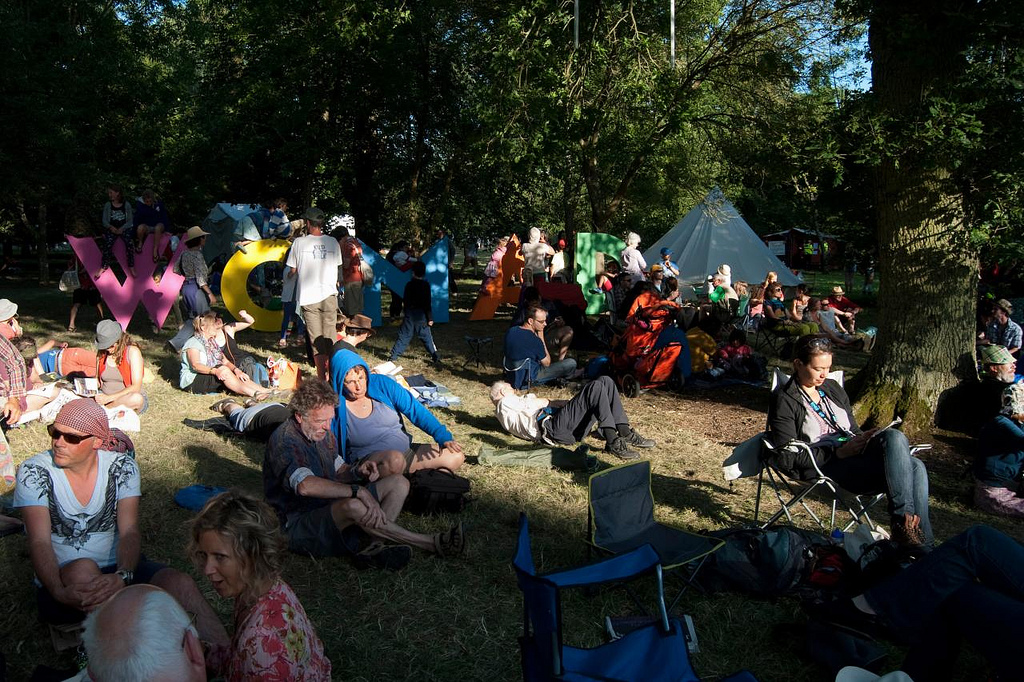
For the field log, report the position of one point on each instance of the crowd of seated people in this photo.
(337, 454)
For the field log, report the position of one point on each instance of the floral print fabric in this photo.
(274, 640)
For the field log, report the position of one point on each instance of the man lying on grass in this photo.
(566, 422)
(321, 508)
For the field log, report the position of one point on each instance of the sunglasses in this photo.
(819, 343)
(69, 438)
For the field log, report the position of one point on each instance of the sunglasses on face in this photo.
(69, 438)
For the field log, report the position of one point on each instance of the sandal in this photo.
(282, 343)
(71, 328)
(260, 396)
(451, 543)
(219, 405)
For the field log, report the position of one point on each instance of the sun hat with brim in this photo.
(194, 232)
(84, 415)
(837, 290)
(107, 334)
(996, 355)
(1002, 304)
(360, 323)
(8, 309)
(852, 673)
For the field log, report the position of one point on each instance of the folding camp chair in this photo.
(756, 456)
(621, 518)
(653, 652)
(772, 339)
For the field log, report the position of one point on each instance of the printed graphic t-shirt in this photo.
(316, 261)
(79, 531)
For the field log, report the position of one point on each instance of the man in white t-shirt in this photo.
(536, 252)
(314, 260)
(80, 503)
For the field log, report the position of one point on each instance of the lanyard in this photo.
(829, 418)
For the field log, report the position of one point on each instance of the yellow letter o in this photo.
(236, 274)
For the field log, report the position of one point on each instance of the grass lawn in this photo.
(459, 619)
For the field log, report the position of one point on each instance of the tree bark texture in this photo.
(928, 270)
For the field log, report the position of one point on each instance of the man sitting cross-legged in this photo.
(566, 422)
(322, 511)
(141, 633)
(80, 503)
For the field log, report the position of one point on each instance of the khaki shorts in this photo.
(322, 323)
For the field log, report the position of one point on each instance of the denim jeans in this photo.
(556, 370)
(289, 315)
(971, 587)
(886, 465)
(414, 324)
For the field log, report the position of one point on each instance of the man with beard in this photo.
(322, 510)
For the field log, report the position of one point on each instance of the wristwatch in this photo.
(125, 575)
(355, 490)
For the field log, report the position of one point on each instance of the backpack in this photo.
(765, 563)
(432, 491)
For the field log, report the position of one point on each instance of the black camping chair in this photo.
(621, 518)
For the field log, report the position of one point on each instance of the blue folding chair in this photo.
(652, 653)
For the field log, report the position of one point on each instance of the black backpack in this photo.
(433, 491)
(766, 563)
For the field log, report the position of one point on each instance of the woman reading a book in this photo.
(814, 409)
(119, 368)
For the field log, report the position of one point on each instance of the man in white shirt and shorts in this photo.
(314, 260)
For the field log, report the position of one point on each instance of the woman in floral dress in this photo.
(237, 543)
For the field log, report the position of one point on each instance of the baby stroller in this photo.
(642, 358)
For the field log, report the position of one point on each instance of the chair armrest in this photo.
(800, 445)
(619, 567)
(920, 447)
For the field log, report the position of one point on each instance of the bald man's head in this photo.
(142, 633)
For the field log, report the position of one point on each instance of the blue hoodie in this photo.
(385, 390)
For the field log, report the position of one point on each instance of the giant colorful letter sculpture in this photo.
(498, 291)
(436, 260)
(122, 299)
(236, 274)
(588, 245)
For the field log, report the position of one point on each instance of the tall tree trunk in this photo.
(927, 269)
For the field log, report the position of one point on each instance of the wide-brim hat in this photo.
(8, 309)
(107, 334)
(1002, 304)
(996, 355)
(361, 323)
(837, 290)
(195, 232)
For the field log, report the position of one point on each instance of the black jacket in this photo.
(786, 415)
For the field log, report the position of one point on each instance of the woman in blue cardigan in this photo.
(370, 429)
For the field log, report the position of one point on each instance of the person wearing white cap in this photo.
(9, 326)
(195, 292)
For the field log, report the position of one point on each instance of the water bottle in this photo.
(837, 536)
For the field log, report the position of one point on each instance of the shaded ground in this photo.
(440, 620)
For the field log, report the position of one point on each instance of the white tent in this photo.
(712, 233)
